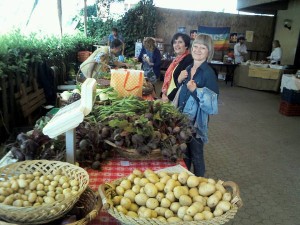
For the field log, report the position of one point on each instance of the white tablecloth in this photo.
(290, 81)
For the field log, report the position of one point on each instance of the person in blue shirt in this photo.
(151, 59)
(198, 98)
(116, 35)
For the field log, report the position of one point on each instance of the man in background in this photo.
(240, 50)
(115, 35)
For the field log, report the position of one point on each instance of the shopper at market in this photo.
(116, 35)
(276, 54)
(197, 98)
(104, 59)
(151, 59)
(181, 44)
(240, 50)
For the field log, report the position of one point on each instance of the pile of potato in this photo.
(37, 189)
(171, 197)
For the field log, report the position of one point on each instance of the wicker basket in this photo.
(106, 191)
(134, 155)
(48, 212)
(86, 208)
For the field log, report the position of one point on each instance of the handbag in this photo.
(127, 82)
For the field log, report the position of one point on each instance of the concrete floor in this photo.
(252, 144)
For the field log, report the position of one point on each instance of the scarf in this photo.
(170, 70)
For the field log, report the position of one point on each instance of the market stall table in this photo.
(117, 168)
(230, 68)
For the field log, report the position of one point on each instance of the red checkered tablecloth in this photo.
(117, 168)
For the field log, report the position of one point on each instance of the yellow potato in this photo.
(152, 203)
(185, 200)
(150, 190)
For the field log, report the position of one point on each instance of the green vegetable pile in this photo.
(134, 123)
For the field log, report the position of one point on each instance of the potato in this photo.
(224, 205)
(22, 176)
(170, 195)
(136, 188)
(175, 206)
(62, 180)
(187, 218)
(152, 203)
(218, 212)
(26, 204)
(162, 174)
(59, 197)
(148, 172)
(169, 185)
(165, 179)
(192, 210)
(207, 215)
(133, 207)
(40, 187)
(160, 186)
(163, 219)
(193, 192)
(193, 181)
(47, 182)
(145, 213)
(199, 206)
(153, 178)
(182, 177)
(117, 199)
(160, 196)
(206, 189)
(175, 176)
(181, 190)
(54, 183)
(126, 184)
(199, 198)
(132, 214)
(212, 201)
(22, 183)
(32, 197)
(36, 173)
(160, 211)
(185, 200)
(120, 190)
(143, 181)
(137, 172)
(169, 213)
(8, 200)
(121, 209)
(2, 197)
(199, 217)
(14, 185)
(125, 202)
(182, 211)
(220, 187)
(141, 199)
(136, 181)
(153, 214)
(18, 203)
(49, 200)
(226, 197)
(130, 194)
(131, 177)
(165, 203)
(150, 190)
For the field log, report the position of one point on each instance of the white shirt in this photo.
(239, 51)
(275, 55)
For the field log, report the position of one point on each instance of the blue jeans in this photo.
(195, 156)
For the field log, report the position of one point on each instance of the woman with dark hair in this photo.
(181, 44)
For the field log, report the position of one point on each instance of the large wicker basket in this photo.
(131, 153)
(106, 191)
(48, 212)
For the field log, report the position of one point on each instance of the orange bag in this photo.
(127, 82)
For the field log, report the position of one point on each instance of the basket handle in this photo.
(106, 204)
(137, 86)
(236, 199)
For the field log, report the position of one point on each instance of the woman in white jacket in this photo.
(276, 54)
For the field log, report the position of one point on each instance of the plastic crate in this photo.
(289, 109)
(290, 96)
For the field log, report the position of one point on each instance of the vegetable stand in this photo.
(117, 168)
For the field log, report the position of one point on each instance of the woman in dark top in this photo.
(150, 58)
(181, 44)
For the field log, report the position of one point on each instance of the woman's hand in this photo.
(164, 97)
(191, 85)
(182, 76)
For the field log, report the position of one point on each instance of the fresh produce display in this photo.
(133, 123)
(170, 197)
(37, 189)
